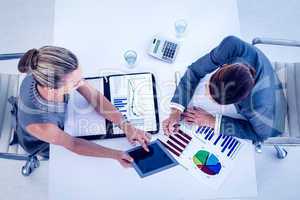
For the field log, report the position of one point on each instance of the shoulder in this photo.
(30, 110)
(231, 41)
(231, 38)
(26, 91)
(28, 80)
(260, 103)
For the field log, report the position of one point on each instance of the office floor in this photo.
(276, 179)
(14, 186)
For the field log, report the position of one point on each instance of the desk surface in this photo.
(99, 32)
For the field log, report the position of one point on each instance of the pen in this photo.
(177, 77)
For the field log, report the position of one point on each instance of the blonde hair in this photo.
(48, 65)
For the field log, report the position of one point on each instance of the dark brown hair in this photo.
(232, 83)
(48, 65)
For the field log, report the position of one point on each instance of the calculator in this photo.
(163, 49)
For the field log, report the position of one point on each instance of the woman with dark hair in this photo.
(244, 77)
(53, 72)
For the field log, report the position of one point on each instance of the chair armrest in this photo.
(11, 56)
(279, 42)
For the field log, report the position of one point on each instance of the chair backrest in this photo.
(289, 75)
(9, 86)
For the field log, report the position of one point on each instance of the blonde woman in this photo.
(52, 72)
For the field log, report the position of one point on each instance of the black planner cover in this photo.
(110, 127)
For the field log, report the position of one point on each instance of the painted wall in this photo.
(274, 19)
(24, 25)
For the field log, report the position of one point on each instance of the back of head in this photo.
(48, 65)
(232, 83)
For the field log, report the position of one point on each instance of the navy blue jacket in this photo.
(264, 108)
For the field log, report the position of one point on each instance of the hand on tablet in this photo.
(124, 159)
(135, 135)
(171, 124)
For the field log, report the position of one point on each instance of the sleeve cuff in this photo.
(177, 106)
(218, 123)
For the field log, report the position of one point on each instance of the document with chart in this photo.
(206, 155)
(134, 95)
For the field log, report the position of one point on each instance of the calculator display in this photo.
(156, 46)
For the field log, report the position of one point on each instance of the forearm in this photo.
(100, 103)
(107, 110)
(87, 148)
(191, 79)
(51, 133)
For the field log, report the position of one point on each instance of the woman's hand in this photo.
(135, 135)
(171, 124)
(199, 116)
(123, 158)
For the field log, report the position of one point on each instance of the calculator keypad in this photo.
(168, 50)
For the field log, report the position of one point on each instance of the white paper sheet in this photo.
(133, 96)
(199, 143)
(82, 119)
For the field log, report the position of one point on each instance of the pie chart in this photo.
(207, 162)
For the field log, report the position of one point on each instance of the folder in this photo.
(134, 95)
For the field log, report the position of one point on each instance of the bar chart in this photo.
(227, 145)
(121, 104)
(177, 142)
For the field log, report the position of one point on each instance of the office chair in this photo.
(287, 73)
(9, 147)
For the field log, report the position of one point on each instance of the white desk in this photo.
(99, 32)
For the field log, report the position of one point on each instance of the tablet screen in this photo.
(156, 160)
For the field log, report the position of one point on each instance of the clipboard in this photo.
(134, 95)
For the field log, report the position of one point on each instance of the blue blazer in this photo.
(265, 108)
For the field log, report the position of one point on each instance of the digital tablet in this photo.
(154, 161)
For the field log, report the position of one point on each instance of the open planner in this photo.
(134, 95)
